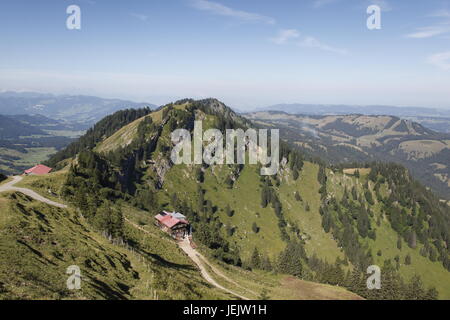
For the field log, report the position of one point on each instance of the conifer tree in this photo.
(255, 227)
(264, 295)
(307, 207)
(412, 241)
(407, 259)
(295, 174)
(399, 243)
(289, 261)
(228, 211)
(255, 261)
(266, 264)
(264, 197)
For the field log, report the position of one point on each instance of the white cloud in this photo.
(285, 35)
(428, 32)
(433, 30)
(219, 9)
(311, 42)
(440, 60)
(141, 17)
(441, 14)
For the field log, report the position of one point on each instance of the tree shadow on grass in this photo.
(158, 259)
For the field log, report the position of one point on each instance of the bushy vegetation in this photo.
(103, 129)
(90, 186)
(414, 212)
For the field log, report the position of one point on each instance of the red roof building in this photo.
(169, 221)
(39, 169)
(173, 224)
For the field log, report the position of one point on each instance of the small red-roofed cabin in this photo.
(174, 224)
(40, 169)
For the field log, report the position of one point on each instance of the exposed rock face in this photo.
(217, 107)
(161, 166)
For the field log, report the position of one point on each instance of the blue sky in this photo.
(248, 53)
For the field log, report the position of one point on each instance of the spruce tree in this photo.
(295, 174)
(407, 259)
(255, 261)
(264, 295)
(289, 261)
(412, 241)
(266, 264)
(307, 207)
(264, 197)
(255, 227)
(228, 211)
(399, 243)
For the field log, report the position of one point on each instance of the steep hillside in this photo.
(100, 131)
(350, 138)
(40, 242)
(292, 223)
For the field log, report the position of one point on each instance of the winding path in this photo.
(193, 254)
(9, 186)
(200, 261)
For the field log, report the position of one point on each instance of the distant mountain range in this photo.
(84, 111)
(432, 118)
(348, 138)
(321, 109)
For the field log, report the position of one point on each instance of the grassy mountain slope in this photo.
(244, 200)
(235, 212)
(432, 273)
(39, 242)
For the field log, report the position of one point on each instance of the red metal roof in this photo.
(169, 221)
(39, 169)
(159, 217)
